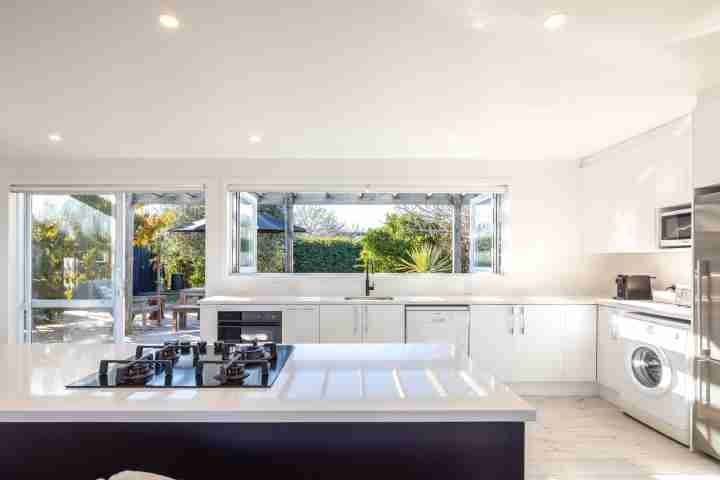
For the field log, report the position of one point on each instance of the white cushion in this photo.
(138, 476)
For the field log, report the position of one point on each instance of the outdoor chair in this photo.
(142, 306)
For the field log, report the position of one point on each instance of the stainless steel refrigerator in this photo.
(706, 321)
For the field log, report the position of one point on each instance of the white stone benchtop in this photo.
(320, 383)
(404, 300)
(653, 308)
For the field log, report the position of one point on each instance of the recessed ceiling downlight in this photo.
(168, 21)
(255, 139)
(55, 137)
(555, 21)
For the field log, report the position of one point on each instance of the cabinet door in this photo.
(539, 345)
(609, 350)
(604, 337)
(492, 339)
(340, 323)
(383, 324)
(579, 353)
(301, 325)
(706, 141)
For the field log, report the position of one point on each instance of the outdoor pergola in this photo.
(289, 199)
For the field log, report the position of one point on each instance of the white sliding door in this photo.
(74, 268)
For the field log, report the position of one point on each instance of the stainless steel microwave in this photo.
(675, 228)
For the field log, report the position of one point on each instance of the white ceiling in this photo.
(339, 78)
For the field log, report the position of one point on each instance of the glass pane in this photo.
(168, 266)
(677, 227)
(56, 325)
(483, 234)
(72, 241)
(247, 232)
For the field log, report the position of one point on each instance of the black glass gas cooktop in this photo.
(181, 364)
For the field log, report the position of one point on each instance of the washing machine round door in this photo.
(650, 369)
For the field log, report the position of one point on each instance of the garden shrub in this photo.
(326, 255)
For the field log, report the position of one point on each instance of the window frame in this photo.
(233, 205)
(498, 191)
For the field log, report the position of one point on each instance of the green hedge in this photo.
(331, 255)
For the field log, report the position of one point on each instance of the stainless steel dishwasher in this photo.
(438, 324)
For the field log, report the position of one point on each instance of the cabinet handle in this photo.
(513, 319)
(355, 324)
(522, 329)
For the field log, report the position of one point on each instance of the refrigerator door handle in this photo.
(701, 269)
(703, 366)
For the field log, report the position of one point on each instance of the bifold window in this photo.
(344, 232)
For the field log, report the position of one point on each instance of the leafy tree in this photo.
(384, 246)
(405, 231)
(180, 252)
(318, 220)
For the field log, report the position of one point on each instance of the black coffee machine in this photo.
(634, 287)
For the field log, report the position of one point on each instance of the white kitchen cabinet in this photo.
(534, 343)
(492, 339)
(301, 324)
(624, 186)
(540, 340)
(439, 325)
(361, 323)
(609, 350)
(706, 141)
(341, 323)
(383, 324)
(579, 352)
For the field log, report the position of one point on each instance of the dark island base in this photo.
(317, 451)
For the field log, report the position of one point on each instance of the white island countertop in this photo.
(320, 383)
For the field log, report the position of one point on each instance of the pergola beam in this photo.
(372, 198)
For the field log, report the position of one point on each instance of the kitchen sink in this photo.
(362, 299)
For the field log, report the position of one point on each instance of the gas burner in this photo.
(136, 373)
(252, 352)
(172, 349)
(169, 352)
(232, 373)
(248, 351)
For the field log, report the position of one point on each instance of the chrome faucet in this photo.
(369, 286)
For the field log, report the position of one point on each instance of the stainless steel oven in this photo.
(675, 227)
(247, 326)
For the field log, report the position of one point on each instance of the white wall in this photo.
(544, 249)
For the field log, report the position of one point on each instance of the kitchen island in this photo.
(335, 411)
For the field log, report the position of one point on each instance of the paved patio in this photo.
(78, 326)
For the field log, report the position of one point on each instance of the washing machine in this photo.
(658, 387)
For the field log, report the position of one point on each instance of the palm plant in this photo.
(425, 258)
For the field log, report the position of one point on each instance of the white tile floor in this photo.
(590, 439)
